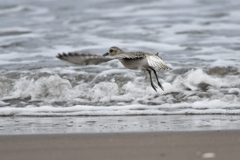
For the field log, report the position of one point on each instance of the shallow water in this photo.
(116, 124)
(199, 39)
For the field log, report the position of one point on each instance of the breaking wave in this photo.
(196, 91)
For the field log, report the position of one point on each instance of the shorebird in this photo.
(131, 60)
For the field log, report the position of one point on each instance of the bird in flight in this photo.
(131, 60)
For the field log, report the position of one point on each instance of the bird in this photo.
(131, 60)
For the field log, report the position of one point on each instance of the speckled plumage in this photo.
(131, 60)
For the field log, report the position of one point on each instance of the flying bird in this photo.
(131, 60)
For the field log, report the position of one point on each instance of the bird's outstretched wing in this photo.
(83, 59)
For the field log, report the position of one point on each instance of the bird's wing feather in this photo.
(130, 55)
(83, 59)
(157, 63)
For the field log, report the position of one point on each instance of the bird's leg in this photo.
(153, 86)
(157, 78)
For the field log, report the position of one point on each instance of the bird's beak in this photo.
(106, 54)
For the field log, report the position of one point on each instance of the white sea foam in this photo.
(224, 63)
(136, 96)
(198, 108)
(52, 86)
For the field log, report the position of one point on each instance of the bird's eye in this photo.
(110, 50)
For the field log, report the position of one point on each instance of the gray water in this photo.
(199, 39)
(109, 124)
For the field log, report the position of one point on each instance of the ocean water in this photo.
(116, 124)
(199, 39)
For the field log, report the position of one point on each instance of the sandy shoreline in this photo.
(107, 146)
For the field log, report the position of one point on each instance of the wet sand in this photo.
(118, 146)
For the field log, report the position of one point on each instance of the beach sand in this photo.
(221, 145)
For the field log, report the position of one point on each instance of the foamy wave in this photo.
(194, 92)
(198, 108)
(52, 86)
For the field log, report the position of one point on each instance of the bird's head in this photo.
(113, 51)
